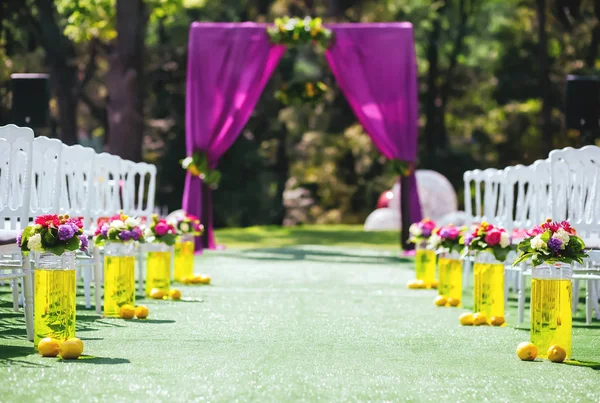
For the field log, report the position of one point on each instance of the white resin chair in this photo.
(575, 178)
(16, 149)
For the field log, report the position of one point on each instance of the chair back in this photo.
(45, 176)
(77, 167)
(106, 200)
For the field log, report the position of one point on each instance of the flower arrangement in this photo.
(197, 165)
(188, 224)
(298, 31)
(161, 231)
(119, 228)
(53, 233)
(446, 239)
(551, 242)
(300, 93)
(490, 238)
(421, 231)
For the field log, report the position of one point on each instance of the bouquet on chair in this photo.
(489, 238)
(161, 231)
(119, 228)
(53, 233)
(446, 239)
(188, 224)
(421, 231)
(551, 242)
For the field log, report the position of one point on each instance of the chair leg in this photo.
(28, 303)
(594, 296)
(588, 302)
(507, 275)
(576, 290)
(521, 288)
(87, 280)
(15, 291)
(98, 280)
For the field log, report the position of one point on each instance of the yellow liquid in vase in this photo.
(425, 266)
(488, 290)
(184, 260)
(158, 271)
(119, 284)
(54, 304)
(551, 321)
(450, 278)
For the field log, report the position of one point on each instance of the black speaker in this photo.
(30, 99)
(582, 103)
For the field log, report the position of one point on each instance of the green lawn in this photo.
(302, 323)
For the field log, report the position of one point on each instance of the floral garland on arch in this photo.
(53, 233)
(295, 31)
(197, 165)
(551, 242)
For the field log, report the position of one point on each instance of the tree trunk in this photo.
(63, 74)
(544, 83)
(593, 52)
(282, 167)
(124, 81)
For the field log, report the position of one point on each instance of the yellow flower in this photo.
(193, 170)
(296, 36)
(310, 90)
(314, 32)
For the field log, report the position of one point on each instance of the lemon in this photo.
(186, 280)
(412, 285)
(78, 341)
(196, 280)
(70, 349)
(556, 353)
(440, 300)
(157, 293)
(48, 347)
(466, 319)
(497, 320)
(127, 311)
(453, 301)
(527, 351)
(434, 284)
(204, 279)
(175, 294)
(479, 319)
(141, 311)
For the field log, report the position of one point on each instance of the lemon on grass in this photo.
(556, 353)
(196, 279)
(497, 320)
(527, 351)
(70, 349)
(440, 300)
(434, 284)
(48, 347)
(174, 294)
(141, 311)
(453, 301)
(157, 293)
(127, 311)
(415, 284)
(466, 319)
(204, 279)
(187, 280)
(479, 319)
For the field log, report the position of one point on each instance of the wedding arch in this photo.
(229, 65)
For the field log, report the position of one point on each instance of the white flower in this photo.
(563, 236)
(132, 222)
(415, 230)
(504, 240)
(434, 241)
(537, 243)
(185, 227)
(118, 225)
(35, 243)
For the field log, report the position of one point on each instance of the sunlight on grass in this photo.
(329, 235)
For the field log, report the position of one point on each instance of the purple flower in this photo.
(125, 235)
(104, 230)
(65, 232)
(554, 244)
(426, 232)
(84, 242)
(19, 236)
(136, 233)
(468, 239)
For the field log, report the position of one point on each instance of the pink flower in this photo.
(493, 237)
(449, 232)
(161, 228)
(535, 231)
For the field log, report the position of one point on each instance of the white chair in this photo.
(16, 151)
(46, 176)
(575, 179)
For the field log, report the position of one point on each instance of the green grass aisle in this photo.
(303, 323)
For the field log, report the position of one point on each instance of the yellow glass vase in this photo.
(184, 258)
(425, 261)
(54, 296)
(119, 277)
(158, 268)
(488, 289)
(450, 275)
(551, 298)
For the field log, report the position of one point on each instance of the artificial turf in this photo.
(304, 323)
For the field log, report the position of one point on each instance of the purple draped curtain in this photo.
(228, 68)
(375, 67)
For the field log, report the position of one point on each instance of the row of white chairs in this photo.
(565, 186)
(39, 175)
